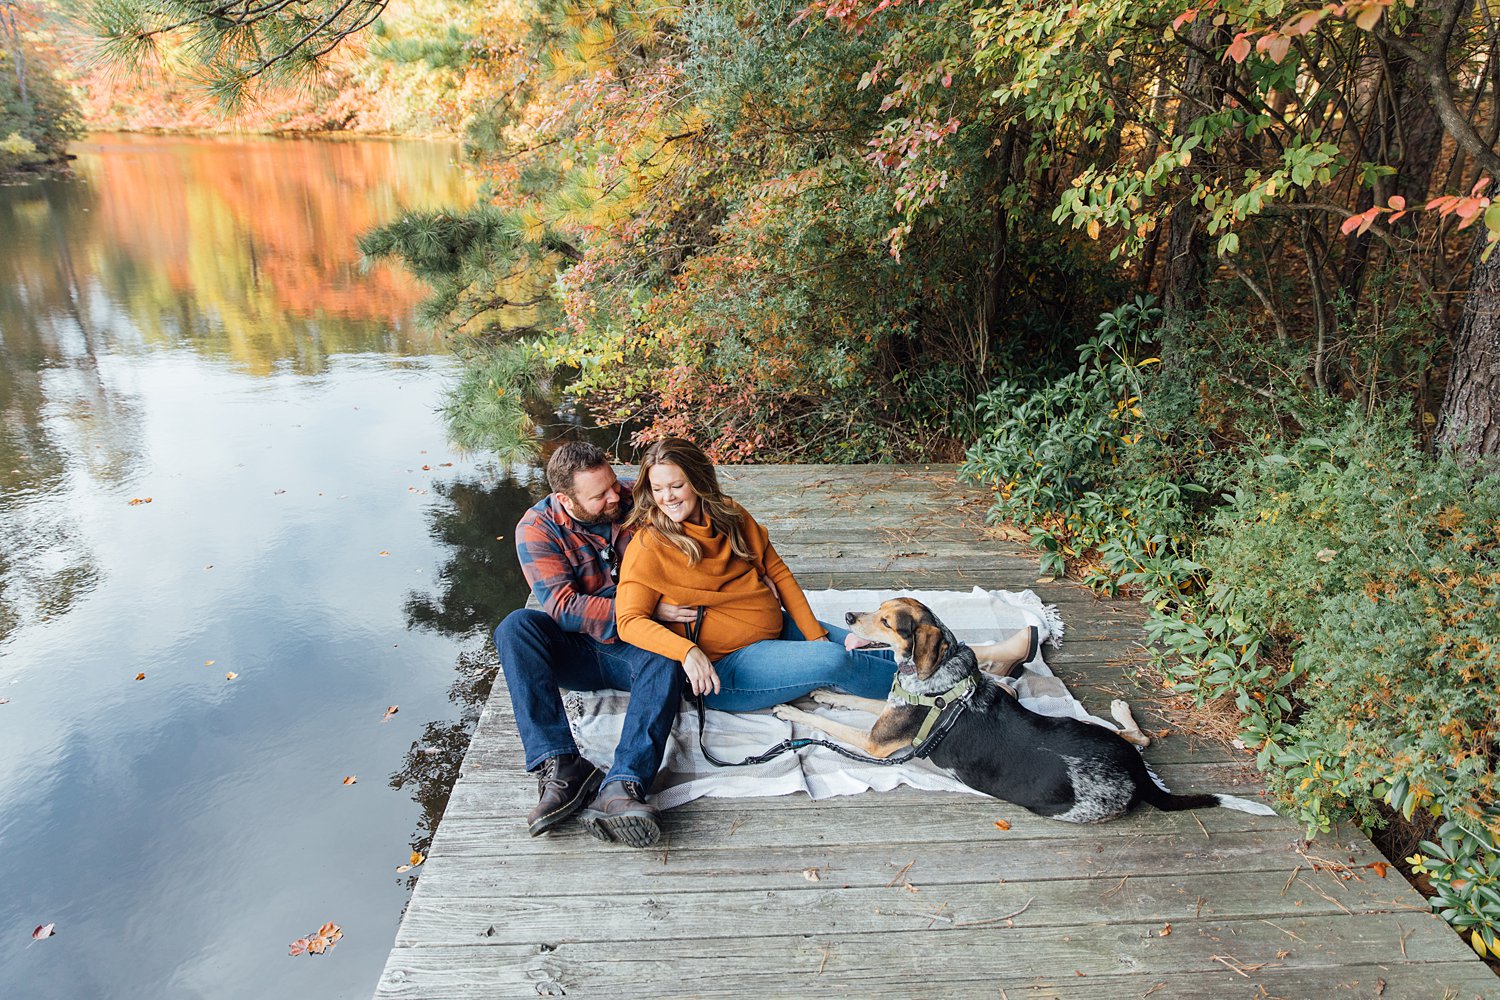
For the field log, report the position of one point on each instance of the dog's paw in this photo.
(823, 696)
(786, 713)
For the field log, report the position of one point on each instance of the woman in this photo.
(699, 549)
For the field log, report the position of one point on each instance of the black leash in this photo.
(946, 721)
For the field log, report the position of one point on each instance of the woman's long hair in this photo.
(720, 512)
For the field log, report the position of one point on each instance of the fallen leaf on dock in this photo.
(811, 874)
(1002, 824)
(1380, 867)
(350, 779)
(390, 712)
(417, 857)
(1166, 931)
(44, 931)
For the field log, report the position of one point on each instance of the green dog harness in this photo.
(934, 703)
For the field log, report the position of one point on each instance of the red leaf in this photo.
(1479, 186)
(1350, 224)
(1239, 49)
(1186, 17)
(1397, 202)
(43, 931)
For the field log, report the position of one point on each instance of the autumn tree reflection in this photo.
(479, 584)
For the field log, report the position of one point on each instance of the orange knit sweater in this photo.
(740, 609)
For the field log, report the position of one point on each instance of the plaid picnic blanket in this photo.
(976, 617)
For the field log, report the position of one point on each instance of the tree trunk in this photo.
(1470, 418)
(1185, 274)
(8, 19)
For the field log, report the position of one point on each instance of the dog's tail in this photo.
(1157, 795)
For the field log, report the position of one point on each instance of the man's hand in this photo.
(700, 672)
(674, 612)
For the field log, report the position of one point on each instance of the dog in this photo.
(1059, 768)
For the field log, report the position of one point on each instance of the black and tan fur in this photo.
(1056, 767)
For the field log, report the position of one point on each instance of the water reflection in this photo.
(185, 320)
(241, 251)
(479, 583)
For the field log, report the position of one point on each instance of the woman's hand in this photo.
(675, 612)
(701, 673)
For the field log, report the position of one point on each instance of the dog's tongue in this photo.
(852, 641)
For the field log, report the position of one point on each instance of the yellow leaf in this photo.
(350, 779)
(1001, 824)
(230, 676)
(141, 676)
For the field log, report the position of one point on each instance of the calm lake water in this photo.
(184, 322)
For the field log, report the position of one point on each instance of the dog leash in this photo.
(948, 713)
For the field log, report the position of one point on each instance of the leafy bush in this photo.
(1351, 611)
(1076, 461)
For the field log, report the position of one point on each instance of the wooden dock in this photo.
(916, 894)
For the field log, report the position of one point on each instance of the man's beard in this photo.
(605, 516)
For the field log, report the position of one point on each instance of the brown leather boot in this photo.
(621, 813)
(566, 782)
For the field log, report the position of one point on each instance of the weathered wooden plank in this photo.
(928, 867)
(623, 915)
(759, 824)
(727, 964)
(508, 792)
(452, 973)
(578, 867)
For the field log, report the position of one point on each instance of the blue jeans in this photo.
(538, 658)
(773, 671)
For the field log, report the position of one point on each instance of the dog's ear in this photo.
(927, 648)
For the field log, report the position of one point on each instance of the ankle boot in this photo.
(566, 782)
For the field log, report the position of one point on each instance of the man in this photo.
(570, 546)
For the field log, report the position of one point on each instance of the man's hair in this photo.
(571, 459)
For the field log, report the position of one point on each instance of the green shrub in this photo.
(1352, 614)
(1076, 461)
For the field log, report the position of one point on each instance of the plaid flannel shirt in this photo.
(566, 570)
